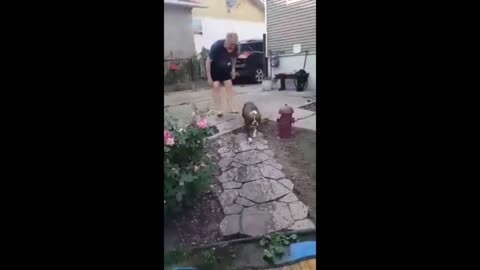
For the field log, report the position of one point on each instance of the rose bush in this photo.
(187, 169)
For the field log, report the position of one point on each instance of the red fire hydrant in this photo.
(285, 122)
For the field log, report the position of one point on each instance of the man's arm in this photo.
(234, 63)
(234, 56)
(208, 63)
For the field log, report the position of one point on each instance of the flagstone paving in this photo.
(257, 197)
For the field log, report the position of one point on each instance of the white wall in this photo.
(178, 20)
(215, 29)
(290, 64)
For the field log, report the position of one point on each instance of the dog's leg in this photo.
(249, 137)
(257, 124)
(247, 130)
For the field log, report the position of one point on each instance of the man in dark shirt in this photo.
(220, 67)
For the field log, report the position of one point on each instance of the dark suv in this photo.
(250, 60)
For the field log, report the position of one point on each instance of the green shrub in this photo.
(187, 71)
(196, 68)
(182, 74)
(187, 169)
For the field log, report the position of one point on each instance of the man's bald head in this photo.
(231, 41)
(232, 37)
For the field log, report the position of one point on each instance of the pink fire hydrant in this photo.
(285, 122)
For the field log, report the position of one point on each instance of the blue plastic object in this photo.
(299, 252)
(303, 250)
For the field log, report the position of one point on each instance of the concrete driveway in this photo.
(179, 105)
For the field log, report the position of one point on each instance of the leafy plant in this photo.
(174, 257)
(187, 170)
(209, 256)
(276, 245)
(204, 53)
(196, 68)
(182, 74)
(188, 70)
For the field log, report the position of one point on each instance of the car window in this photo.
(244, 48)
(250, 47)
(257, 47)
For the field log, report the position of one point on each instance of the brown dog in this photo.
(251, 116)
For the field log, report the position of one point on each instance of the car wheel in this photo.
(258, 78)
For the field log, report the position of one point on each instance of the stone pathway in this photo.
(257, 198)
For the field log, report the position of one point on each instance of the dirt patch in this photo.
(200, 224)
(196, 226)
(202, 259)
(310, 107)
(298, 158)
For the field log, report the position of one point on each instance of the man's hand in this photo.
(210, 81)
(234, 74)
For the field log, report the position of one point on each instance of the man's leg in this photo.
(217, 98)
(230, 102)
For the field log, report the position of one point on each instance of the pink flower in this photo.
(168, 138)
(166, 135)
(170, 141)
(202, 123)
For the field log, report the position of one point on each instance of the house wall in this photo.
(217, 9)
(178, 32)
(282, 34)
(246, 19)
(291, 23)
(215, 29)
(291, 64)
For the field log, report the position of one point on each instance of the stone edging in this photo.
(250, 239)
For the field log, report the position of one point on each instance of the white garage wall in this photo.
(178, 20)
(215, 29)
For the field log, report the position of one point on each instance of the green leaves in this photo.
(279, 250)
(276, 245)
(263, 242)
(179, 196)
(187, 177)
(183, 179)
(267, 255)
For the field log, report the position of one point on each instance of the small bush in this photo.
(182, 74)
(188, 70)
(187, 170)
